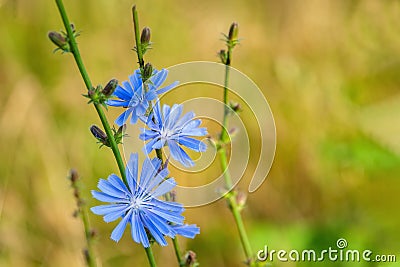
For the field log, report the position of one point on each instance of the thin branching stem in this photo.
(88, 83)
(222, 152)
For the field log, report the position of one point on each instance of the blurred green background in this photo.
(329, 69)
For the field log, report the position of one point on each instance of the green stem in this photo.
(139, 51)
(178, 252)
(90, 258)
(224, 139)
(88, 83)
(150, 257)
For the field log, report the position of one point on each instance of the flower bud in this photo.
(222, 55)
(73, 175)
(235, 106)
(190, 258)
(110, 87)
(99, 134)
(145, 37)
(148, 71)
(233, 31)
(59, 40)
(241, 199)
(122, 129)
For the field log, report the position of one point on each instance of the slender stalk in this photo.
(88, 83)
(177, 252)
(139, 51)
(150, 257)
(224, 139)
(82, 212)
(90, 258)
(100, 112)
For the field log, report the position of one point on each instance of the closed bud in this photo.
(145, 37)
(73, 175)
(222, 55)
(72, 27)
(233, 31)
(148, 71)
(241, 199)
(99, 134)
(121, 129)
(235, 106)
(110, 87)
(59, 40)
(190, 258)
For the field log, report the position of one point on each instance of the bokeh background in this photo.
(329, 69)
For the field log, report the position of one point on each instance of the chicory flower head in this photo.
(138, 204)
(135, 96)
(167, 127)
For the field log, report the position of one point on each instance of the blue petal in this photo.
(173, 116)
(136, 79)
(185, 119)
(128, 88)
(189, 231)
(158, 179)
(106, 187)
(151, 95)
(134, 117)
(148, 172)
(118, 183)
(149, 146)
(164, 188)
(192, 143)
(120, 228)
(117, 103)
(112, 216)
(122, 93)
(153, 229)
(167, 88)
(168, 215)
(105, 209)
(105, 197)
(123, 117)
(179, 154)
(132, 171)
(158, 78)
(137, 231)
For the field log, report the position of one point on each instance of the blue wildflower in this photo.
(135, 97)
(139, 204)
(167, 128)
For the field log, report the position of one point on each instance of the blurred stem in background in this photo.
(93, 94)
(231, 41)
(142, 44)
(82, 212)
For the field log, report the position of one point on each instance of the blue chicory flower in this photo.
(135, 97)
(167, 128)
(138, 204)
